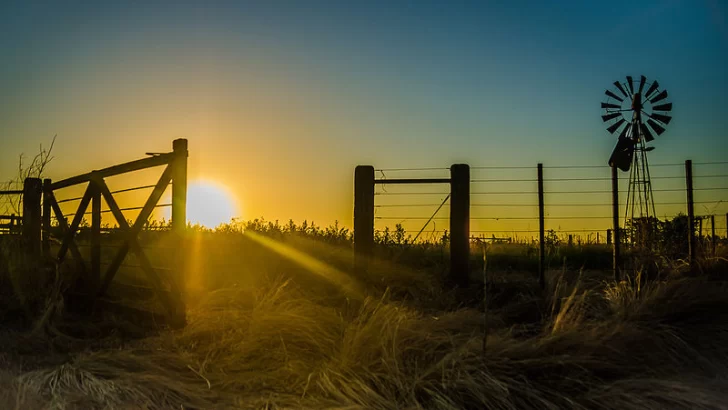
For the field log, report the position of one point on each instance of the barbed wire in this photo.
(545, 167)
(536, 205)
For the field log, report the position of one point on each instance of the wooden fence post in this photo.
(46, 216)
(712, 233)
(726, 225)
(460, 224)
(363, 216)
(616, 255)
(95, 279)
(609, 236)
(32, 191)
(179, 186)
(179, 226)
(691, 212)
(541, 231)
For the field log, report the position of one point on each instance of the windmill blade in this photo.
(622, 154)
(615, 126)
(611, 116)
(659, 129)
(619, 86)
(614, 106)
(659, 97)
(646, 133)
(663, 107)
(651, 90)
(643, 79)
(613, 95)
(665, 119)
(630, 84)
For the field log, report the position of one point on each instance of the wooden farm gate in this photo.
(95, 283)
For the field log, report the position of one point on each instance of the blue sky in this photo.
(307, 90)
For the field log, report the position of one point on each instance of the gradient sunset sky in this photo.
(281, 100)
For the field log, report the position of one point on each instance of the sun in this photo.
(209, 204)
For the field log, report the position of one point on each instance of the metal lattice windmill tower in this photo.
(634, 116)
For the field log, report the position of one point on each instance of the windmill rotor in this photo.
(631, 114)
(637, 112)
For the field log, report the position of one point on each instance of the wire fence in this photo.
(577, 200)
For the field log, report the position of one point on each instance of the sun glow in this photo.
(209, 204)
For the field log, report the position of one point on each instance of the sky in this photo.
(281, 100)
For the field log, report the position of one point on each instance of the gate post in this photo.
(95, 279)
(460, 224)
(363, 216)
(179, 227)
(32, 191)
(46, 217)
(179, 186)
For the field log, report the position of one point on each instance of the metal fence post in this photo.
(712, 233)
(460, 224)
(363, 216)
(541, 233)
(691, 212)
(616, 254)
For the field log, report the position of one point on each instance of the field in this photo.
(278, 319)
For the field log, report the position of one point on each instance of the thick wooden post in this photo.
(691, 212)
(46, 216)
(179, 227)
(179, 186)
(363, 216)
(541, 232)
(32, 192)
(616, 256)
(712, 233)
(460, 224)
(95, 279)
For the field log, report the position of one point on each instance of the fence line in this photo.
(496, 210)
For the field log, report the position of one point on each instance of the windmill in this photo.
(636, 116)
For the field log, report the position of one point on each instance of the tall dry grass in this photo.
(289, 339)
(279, 347)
